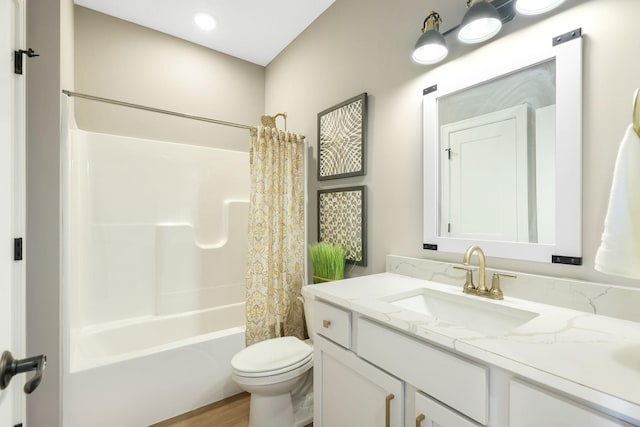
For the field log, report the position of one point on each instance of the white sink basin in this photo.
(472, 313)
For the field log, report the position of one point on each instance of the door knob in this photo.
(10, 367)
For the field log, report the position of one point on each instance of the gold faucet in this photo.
(481, 290)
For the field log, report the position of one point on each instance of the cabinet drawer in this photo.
(456, 382)
(333, 323)
(433, 413)
(531, 406)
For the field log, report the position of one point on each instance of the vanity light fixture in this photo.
(480, 23)
(431, 46)
(204, 21)
(535, 7)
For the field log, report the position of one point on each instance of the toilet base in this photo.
(278, 411)
(294, 409)
(303, 410)
(302, 400)
(271, 411)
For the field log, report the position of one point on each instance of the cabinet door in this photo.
(431, 413)
(533, 407)
(351, 392)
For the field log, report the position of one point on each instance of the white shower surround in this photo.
(155, 239)
(151, 220)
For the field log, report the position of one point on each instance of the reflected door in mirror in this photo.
(485, 178)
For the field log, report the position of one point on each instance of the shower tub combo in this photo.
(155, 250)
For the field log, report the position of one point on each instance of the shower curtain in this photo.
(275, 262)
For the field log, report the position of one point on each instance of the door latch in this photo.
(10, 367)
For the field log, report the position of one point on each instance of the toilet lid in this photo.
(277, 354)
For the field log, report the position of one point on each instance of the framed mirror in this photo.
(503, 158)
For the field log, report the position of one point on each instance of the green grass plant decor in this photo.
(328, 261)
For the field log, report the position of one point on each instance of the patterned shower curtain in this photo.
(275, 263)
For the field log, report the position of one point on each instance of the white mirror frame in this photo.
(567, 248)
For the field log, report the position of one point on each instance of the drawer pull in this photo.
(387, 409)
(326, 323)
(419, 419)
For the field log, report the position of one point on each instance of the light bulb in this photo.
(535, 7)
(430, 53)
(479, 30)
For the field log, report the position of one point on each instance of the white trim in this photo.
(568, 240)
(12, 213)
(19, 209)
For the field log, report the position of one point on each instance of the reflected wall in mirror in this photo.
(498, 171)
(506, 126)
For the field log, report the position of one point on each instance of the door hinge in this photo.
(17, 249)
(430, 89)
(18, 425)
(569, 260)
(17, 58)
(449, 228)
(448, 150)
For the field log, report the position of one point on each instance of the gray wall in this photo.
(120, 60)
(365, 46)
(50, 33)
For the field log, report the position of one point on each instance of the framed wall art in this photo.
(342, 134)
(342, 220)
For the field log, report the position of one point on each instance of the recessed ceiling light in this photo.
(204, 21)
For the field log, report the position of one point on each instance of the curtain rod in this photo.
(155, 110)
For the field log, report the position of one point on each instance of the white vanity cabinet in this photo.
(348, 391)
(351, 392)
(530, 406)
(367, 374)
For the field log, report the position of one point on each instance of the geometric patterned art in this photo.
(341, 136)
(342, 221)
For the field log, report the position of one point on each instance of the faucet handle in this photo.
(469, 287)
(495, 292)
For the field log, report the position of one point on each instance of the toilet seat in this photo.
(273, 357)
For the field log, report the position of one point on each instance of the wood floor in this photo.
(230, 412)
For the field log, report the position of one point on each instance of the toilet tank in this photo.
(308, 313)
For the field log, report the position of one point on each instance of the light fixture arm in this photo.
(432, 22)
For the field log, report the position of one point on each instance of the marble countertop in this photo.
(592, 357)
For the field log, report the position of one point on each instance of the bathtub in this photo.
(154, 260)
(141, 371)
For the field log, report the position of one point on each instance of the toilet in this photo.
(278, 374)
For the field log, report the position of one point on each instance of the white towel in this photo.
(619, 251)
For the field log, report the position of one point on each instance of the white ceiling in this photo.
(253, 30)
